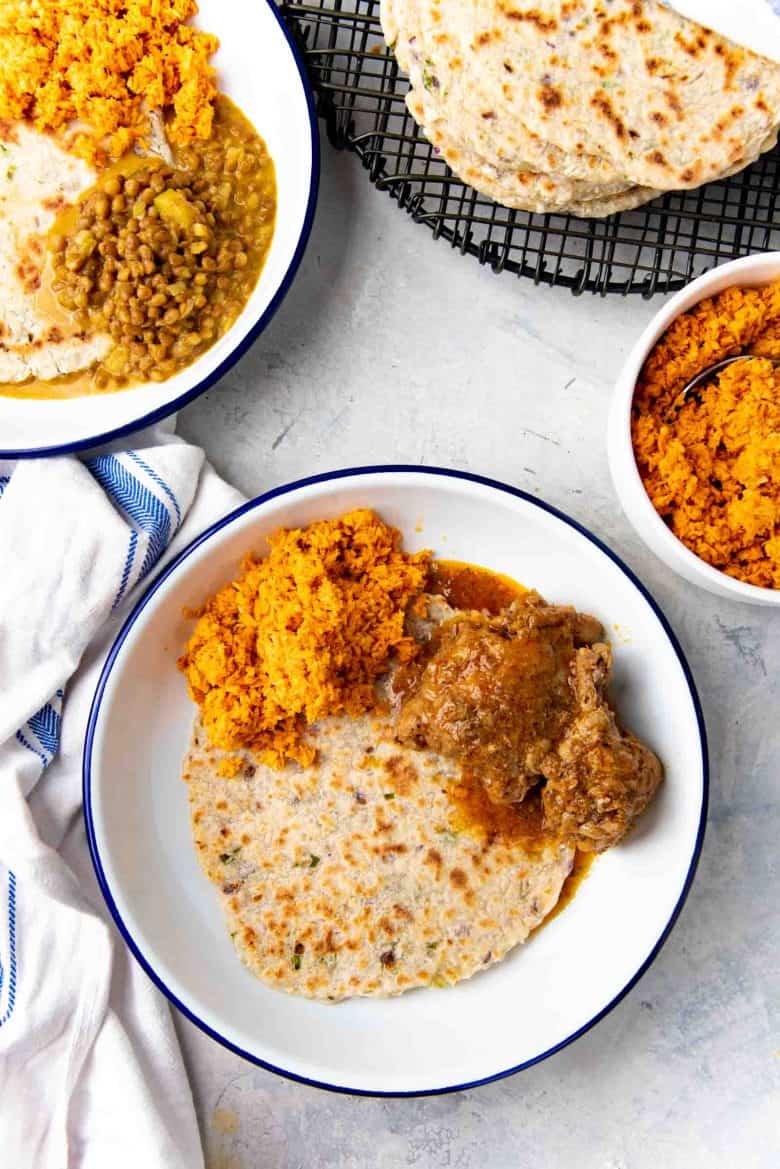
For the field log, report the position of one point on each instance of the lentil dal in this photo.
(165, 258)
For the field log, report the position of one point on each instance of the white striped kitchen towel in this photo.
(91, 1076)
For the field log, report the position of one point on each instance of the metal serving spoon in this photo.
(716, 368)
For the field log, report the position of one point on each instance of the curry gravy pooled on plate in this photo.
(426, 818)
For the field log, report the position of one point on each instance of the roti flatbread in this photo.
(473, 125)
(38, 339)
(353, 876)
(525, 189)
(612, 102)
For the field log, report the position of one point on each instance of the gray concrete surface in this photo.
(391, 347)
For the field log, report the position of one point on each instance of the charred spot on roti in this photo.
(603, 105)
(732, 60)
(674, 103)
(402, 772)
(549, 96)
(28, 273)
(693, 45)
(545, 24)
(54, 203)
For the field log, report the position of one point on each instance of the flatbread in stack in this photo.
(585, 106)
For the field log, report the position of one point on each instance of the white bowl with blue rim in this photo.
(261, 70)
(545, 993)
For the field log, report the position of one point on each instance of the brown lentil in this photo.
(165, 258)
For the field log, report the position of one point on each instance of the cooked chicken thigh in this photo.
(600, 779)
(519, 698)
(495, 692)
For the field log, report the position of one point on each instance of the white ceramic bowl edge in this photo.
(751, 271)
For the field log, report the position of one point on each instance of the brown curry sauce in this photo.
(468, 586)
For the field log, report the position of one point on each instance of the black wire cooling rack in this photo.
(657, 248)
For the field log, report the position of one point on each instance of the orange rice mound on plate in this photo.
(711, 464)
(102, 65)
(303, 634)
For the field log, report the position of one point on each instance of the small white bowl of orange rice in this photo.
(697, 476)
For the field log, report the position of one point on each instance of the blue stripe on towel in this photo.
(11, 997)
(158, 480)
(45, 725)
(41, 733)
(4, 481)
(144, 508)
(35, 750)
(128, 568)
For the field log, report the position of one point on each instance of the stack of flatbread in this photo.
(581, 106)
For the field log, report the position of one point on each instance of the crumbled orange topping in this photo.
(230, 766)
(711, 465)
(302, 634)
(101, 66)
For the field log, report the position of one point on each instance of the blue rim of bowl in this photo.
(259, 326)
(141, 604)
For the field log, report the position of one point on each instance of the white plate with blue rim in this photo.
(261, 70)
(545, 993)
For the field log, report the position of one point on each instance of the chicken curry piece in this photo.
(518, 698)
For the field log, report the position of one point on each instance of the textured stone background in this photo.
(393, 348)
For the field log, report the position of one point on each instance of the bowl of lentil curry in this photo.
(698, 475)
(159, 187)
